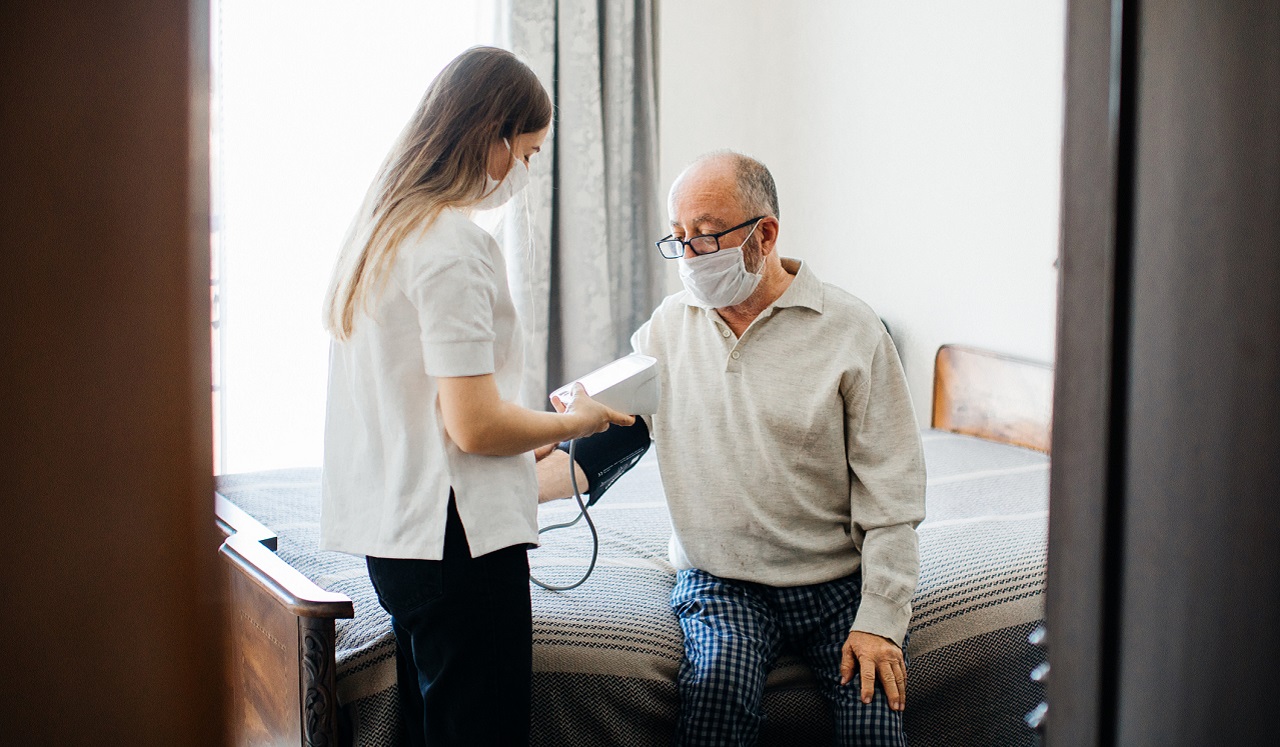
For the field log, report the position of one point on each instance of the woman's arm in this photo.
(480, 422)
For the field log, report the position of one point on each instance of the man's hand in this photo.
(871, 655)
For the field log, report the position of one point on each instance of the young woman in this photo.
(427, 464)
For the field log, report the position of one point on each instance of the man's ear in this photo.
(768, 233)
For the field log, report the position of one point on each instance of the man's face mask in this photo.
(720, 279)
(498, 192)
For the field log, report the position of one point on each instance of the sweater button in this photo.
(735, 355)
(724, 333)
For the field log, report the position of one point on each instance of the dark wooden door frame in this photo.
(108, 562)
(1164, 551)
(1090, 300)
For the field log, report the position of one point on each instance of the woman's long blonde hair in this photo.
(439, 161)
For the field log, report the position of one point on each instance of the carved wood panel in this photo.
(319, 698)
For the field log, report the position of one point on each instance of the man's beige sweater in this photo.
(791, 456)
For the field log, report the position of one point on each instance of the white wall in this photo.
(915, 144)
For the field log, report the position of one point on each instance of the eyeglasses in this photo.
(707, 243)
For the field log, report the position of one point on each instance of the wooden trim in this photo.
(250, 547)
(993, 396)
(231, 519)
(294, 591)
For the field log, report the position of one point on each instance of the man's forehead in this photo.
(704, 199)
(713, 220)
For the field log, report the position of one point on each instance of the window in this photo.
(307, 98)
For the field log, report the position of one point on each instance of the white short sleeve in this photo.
(390, 467)
(455, 303)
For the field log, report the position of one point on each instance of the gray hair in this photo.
(757, 193)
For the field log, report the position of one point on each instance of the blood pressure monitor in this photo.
(628, 385)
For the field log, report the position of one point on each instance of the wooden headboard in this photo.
(992, 396)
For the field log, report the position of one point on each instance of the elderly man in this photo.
(792, 466)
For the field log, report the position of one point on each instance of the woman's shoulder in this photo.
(454, 233)
(458, 223)
(451, 238)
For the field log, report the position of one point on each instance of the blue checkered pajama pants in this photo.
(733, 632)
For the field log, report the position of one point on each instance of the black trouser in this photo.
(464, 633)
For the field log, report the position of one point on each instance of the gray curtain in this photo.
(583, 269)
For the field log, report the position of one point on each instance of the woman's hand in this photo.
(595, 417)
(479, 421)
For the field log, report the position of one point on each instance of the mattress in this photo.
(606, 653)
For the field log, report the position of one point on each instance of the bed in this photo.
(311, 655)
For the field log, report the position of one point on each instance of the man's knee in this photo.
(873, 724)
(721, 687)
(727, 663)
(721, 691)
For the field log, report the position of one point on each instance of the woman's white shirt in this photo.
(388, 462)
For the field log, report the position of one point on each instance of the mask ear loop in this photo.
(759, 270)
(528, 248)
(530, 263)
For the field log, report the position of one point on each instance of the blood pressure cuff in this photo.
(607, 456)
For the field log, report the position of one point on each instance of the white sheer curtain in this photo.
(308, 97)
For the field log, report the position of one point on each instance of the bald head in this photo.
(732, 198)
(741, 179)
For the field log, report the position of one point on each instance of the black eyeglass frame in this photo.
(671, 239)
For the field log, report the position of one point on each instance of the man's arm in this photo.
(599, 461)
(553, 476)
(886, 504)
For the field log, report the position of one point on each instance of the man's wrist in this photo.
(877, 635)
(883, 617)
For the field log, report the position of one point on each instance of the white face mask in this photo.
(720, 279)
(498, 192)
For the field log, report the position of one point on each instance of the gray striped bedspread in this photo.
(606, 653)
